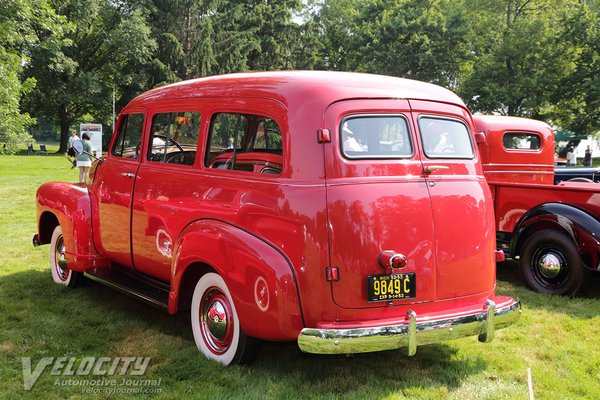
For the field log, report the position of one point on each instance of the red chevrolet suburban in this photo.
(347, 212)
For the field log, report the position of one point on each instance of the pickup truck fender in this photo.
(581, 226)
(259, 277)
(68, 204)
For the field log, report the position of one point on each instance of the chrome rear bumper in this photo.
(410, 332)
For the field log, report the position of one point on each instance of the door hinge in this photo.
(332, 274)
(324, 135)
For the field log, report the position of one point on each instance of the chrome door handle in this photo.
(128, 175)
(431, 168)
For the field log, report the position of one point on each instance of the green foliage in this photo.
(101, 45)
(576, 101)
(208, 37)
(517, 59)
(536, 58)
(20, 22)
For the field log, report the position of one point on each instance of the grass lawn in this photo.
(558, 338)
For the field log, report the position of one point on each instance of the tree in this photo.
(208, 37)
(76, 72)
(517, 57)
(409, 38)
(20, 22)
(575, 104)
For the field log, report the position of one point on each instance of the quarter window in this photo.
(245, 142)
(375, 137)
(174, 137)
(129, 136)
(445, 138)
(521, 141)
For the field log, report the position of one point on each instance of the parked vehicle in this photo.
(576, 174)
(554, 230)
(347, 212)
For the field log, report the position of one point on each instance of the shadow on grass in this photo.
(583, 305)
(90, 319)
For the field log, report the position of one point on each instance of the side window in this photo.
(375, 136)
(129, 136)
(521, 141)
(268, 136)
(445, 138)
(174, 137)
(244, 142)
(226, 132)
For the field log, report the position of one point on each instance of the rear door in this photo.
(461, 203)
(377, 199)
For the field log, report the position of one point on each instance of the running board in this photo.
(133, 284)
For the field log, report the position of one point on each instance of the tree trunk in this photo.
(64, 128)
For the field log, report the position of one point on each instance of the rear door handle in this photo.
(432, 168)
(128, 175)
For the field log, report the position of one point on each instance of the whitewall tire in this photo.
(215, 323)
(61, 273)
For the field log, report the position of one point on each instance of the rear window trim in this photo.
(445, 118)
(376, 157)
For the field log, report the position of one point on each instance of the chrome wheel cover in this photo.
(216, 320)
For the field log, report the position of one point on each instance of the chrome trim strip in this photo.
(410, 332)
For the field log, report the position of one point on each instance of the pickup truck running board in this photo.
(133, 284)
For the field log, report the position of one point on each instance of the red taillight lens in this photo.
(389, 259)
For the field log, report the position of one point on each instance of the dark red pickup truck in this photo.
(553, 229)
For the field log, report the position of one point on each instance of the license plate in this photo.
(389, 287)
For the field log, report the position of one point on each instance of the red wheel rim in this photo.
(60, 262)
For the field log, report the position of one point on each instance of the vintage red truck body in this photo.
(526, 200)
(294, 245)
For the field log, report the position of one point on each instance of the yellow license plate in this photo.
(388, 287)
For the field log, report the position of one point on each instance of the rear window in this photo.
(445, 138)
(521, 141)
(375, 136)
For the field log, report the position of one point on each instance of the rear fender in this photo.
(260, 278)
(68, 204)
(581, 227)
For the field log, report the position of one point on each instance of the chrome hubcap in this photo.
(216, 321)
(550, 265)
(60, 259)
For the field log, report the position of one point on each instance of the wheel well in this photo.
(190, 277)
(537, 226)
(48, 222)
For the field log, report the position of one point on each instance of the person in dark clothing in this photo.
(587, 158)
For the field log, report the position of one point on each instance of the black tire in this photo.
(216, 326)
(61, 273)
(551, 264)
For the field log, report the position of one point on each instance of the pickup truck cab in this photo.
(347, 212)
(553, 229)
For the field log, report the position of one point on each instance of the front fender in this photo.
(581, 226)
(68, 204)
(260, 278)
